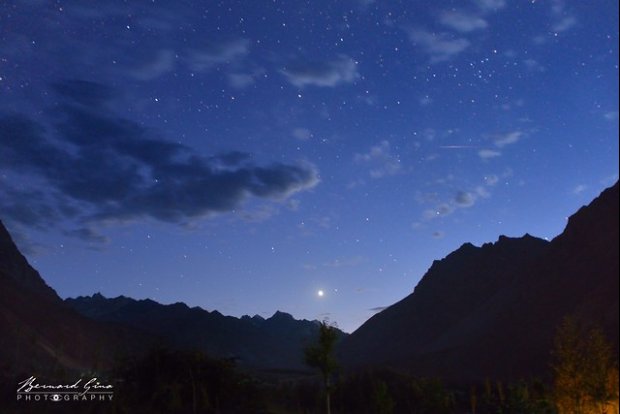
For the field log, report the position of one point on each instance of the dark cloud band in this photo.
(116, 169)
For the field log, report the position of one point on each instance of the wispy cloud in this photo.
(381, 160)
(441, 210)
(302, 134)
(487, 154)
(462, 21)
(491, 5)
(202, 59)
(562, 20)
(162, 63)
(87, 234)
(491, 180)
(533, 65)
(500, 141)
(580, 188)
(440, 46)
(240, 80)
(564, 24)
(217, 53)
(464, 199)
(461, 199)
(508, 138)
(324, 74)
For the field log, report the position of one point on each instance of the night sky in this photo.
(245, 155)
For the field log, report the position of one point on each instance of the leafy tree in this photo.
(602, 376)
(430, 396)
(384, 403)
(320, 355)
(585, 370)
(180, 381)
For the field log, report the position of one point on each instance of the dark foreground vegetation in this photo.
(172, 382)
(583, 380)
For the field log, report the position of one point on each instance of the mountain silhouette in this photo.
(275, 343)
(39, 334)
(492, 311)
(14, 265)
(481, 312)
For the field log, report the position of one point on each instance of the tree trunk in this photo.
(329, 406)
(327, 394)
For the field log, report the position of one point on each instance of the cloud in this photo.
(462, 22)
(507, 139)
(240, 80)
(442, 210)
(533, 65)
(201, 59)
(446, 206)
(486, 154)
(564, 24)
(611, 115)
(24, 243)
(27, 207)
(491, 5)
(162, 63)
(579, 189)
(302, 134)
(561, 19)
(440, 46)
(217, 53)
(114, 168)
(378, 308)
(500, 141)
(464, 199)
(88, 235)
(324, 74)
(481, 192)
(381, 160)
(491, 180)
(259, 214)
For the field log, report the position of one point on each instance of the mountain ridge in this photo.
(40, 334)
(480, 312)
(276, 342)
(491, 311)
(15, 265)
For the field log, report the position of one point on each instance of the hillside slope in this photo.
(492, 311)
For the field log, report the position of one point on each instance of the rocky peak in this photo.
(14, 265)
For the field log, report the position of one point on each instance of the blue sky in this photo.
(243, 155)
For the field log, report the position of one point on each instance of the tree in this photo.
(320, 355)
(585, 370)
(600, 383)
(384, 403)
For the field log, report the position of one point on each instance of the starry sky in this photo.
(245, 155)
